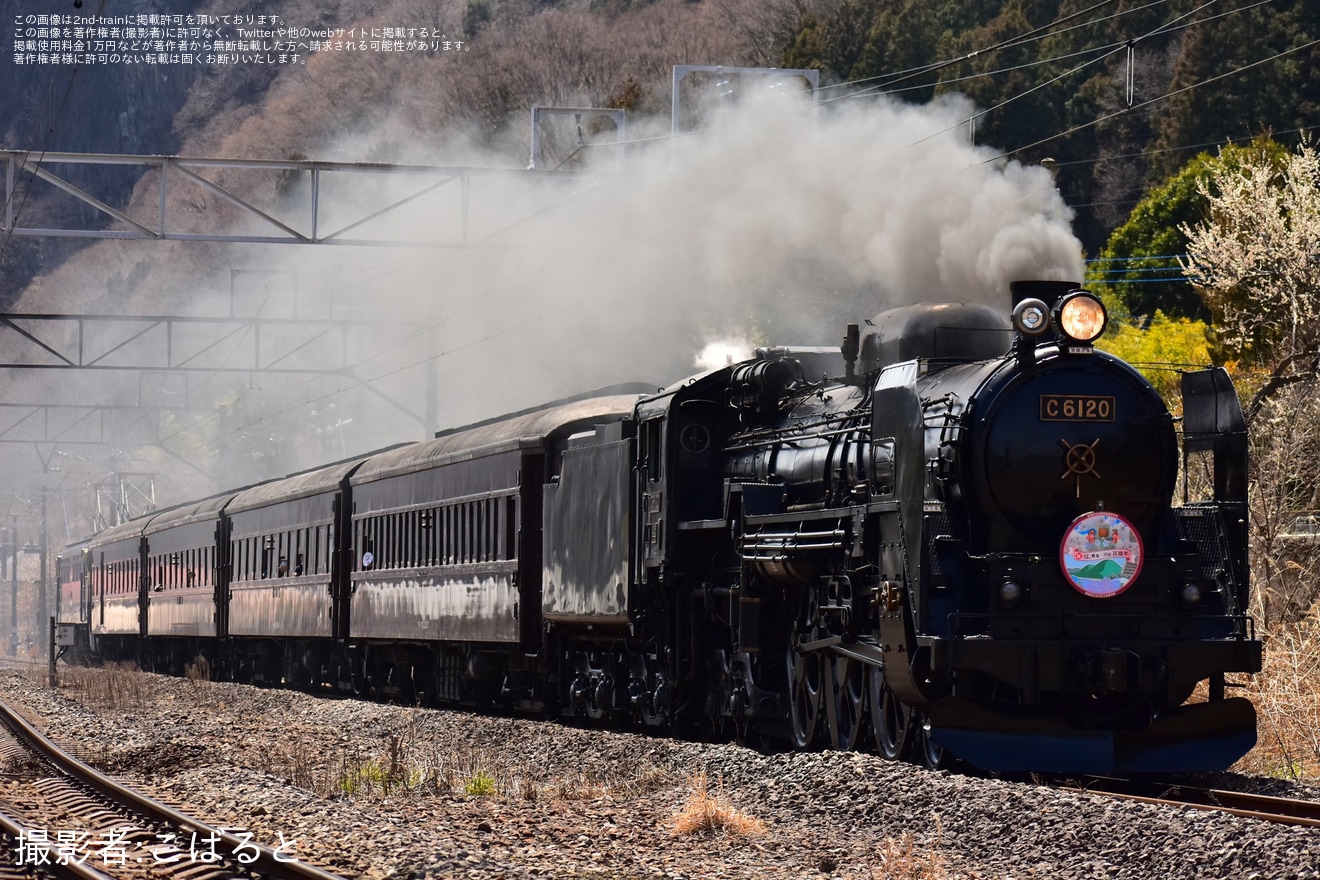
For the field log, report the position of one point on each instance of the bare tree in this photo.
(1285, 510)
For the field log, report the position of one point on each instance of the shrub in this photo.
(708, 811)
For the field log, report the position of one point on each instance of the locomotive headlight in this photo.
(1031, 317)
(1080, 316)
(1009, 593)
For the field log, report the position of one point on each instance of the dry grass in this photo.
(412, 763)
(112, 686)
(902, 859)
(709, 812)
(1287, 698)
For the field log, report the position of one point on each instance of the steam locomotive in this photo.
(956, 535)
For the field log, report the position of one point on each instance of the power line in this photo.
(1152, 101)
(1029, 36)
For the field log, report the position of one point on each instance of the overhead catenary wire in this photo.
(1120, 47)
(1106, 118)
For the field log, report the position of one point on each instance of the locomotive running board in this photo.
(861, 651)
(1202, 736)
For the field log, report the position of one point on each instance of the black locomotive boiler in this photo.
(958, 534)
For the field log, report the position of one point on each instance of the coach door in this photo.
(100, 587)
(651, 448)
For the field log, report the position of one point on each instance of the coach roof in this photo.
(525, 430)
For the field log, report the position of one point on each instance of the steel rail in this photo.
(1267, 808)
(266, 863)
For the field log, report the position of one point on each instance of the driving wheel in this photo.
(845, 702)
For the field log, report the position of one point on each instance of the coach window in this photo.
(474, 531)
(407, 554)
(511, 527)
(400, 540)
(396, 539)
(480, 514)
(446, 539)
(424, 535)
(455, 535)
(464, 531)
(405, 540)
(477, 537)
(417, 557)
(483, 529)
(421, 537)
(488, 551)
(478, 530)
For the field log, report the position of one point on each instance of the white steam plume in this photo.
(777, 225)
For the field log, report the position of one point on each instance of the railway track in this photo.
(1267, 808)
(63, 818)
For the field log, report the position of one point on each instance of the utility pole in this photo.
(13, 595)
(43, 611)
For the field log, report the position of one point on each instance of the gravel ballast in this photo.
(378, 791)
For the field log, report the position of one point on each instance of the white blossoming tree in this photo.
(1256, 263)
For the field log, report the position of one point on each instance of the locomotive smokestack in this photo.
(852, 345)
